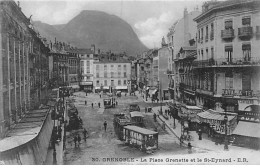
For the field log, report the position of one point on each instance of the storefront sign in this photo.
(219, 128)
(253, 119)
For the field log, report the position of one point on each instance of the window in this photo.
(97, 75)
(201, 35)
(105, 74)
(212, 52)
(124, 67)
(207, 53)
(202, 54)
(112, 74)
(229, 80)
(119, 82)
(97, 82)
(119, 67)
(246, 52)
(124, 82)
(229, 53)
(88, 77)
(88, 66)
(246, 21)
(228, 24)
(207, 33)
(112, 66)
(124, 74)
(97, 67)
(112, 82)
(212, 31)
(105, 67)
(105, 82)
(119, 74)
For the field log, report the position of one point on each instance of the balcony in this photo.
(205, 92)
(223, 62)
(228, 92)
(245, 32)
(227, 34)
(244, 93)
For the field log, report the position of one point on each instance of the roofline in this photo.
(214, 8)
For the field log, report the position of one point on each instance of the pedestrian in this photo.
(105, 125)
(92, 105)
(189, 148)
(85, 102)
(157, 100)
(79, 139)
(100, 95)
(99, 104)
(154, 117)
(116, 103)
(125, 93)
(85, 134)
(75, 141)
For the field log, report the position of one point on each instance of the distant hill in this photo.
(107, 32)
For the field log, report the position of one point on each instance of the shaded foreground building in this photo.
(25, 129)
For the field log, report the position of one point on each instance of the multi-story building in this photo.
(179, 37)
(112, 73)
(87, 58)
(163, 56)
(228, 62)
(23, 62)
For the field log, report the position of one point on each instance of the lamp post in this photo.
(54, 140)
(158, 82)
(226, 140)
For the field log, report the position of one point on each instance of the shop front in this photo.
(213, 124)
(189, 114)
(86, 86)
(122, 88)
(247, 132)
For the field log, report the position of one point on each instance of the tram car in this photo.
(120, 120)
(141, 138)
(137, 118)
(108, 103)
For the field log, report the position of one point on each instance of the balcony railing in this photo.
(246, 93)
(227, 34)
(221, 62)
(245, 32)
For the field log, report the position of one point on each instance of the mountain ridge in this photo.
(106, 31)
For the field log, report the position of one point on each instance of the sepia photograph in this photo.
(129, 82)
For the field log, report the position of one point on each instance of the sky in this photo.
(150, 20)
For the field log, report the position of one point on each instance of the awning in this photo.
(136, 114)
(154, 91)
(248, 129)
(86, 83)
(105, 87)
(121, 87)
(97, 87)
(214, 115)
(75, 86)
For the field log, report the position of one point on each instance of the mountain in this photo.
(107, 32)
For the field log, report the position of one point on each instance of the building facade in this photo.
(227, 65)
(179, 36)
(112, 74)
(23, 66)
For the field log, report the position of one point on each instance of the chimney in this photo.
(93, 48)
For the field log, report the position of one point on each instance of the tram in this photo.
(137, 118)
(120, 120)
(141, 138)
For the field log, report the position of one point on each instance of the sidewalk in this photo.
(206, 143)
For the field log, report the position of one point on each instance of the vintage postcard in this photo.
(167, 82)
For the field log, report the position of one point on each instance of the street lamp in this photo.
(158, 82)
(226, 140)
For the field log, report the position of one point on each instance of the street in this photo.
(101, 144)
